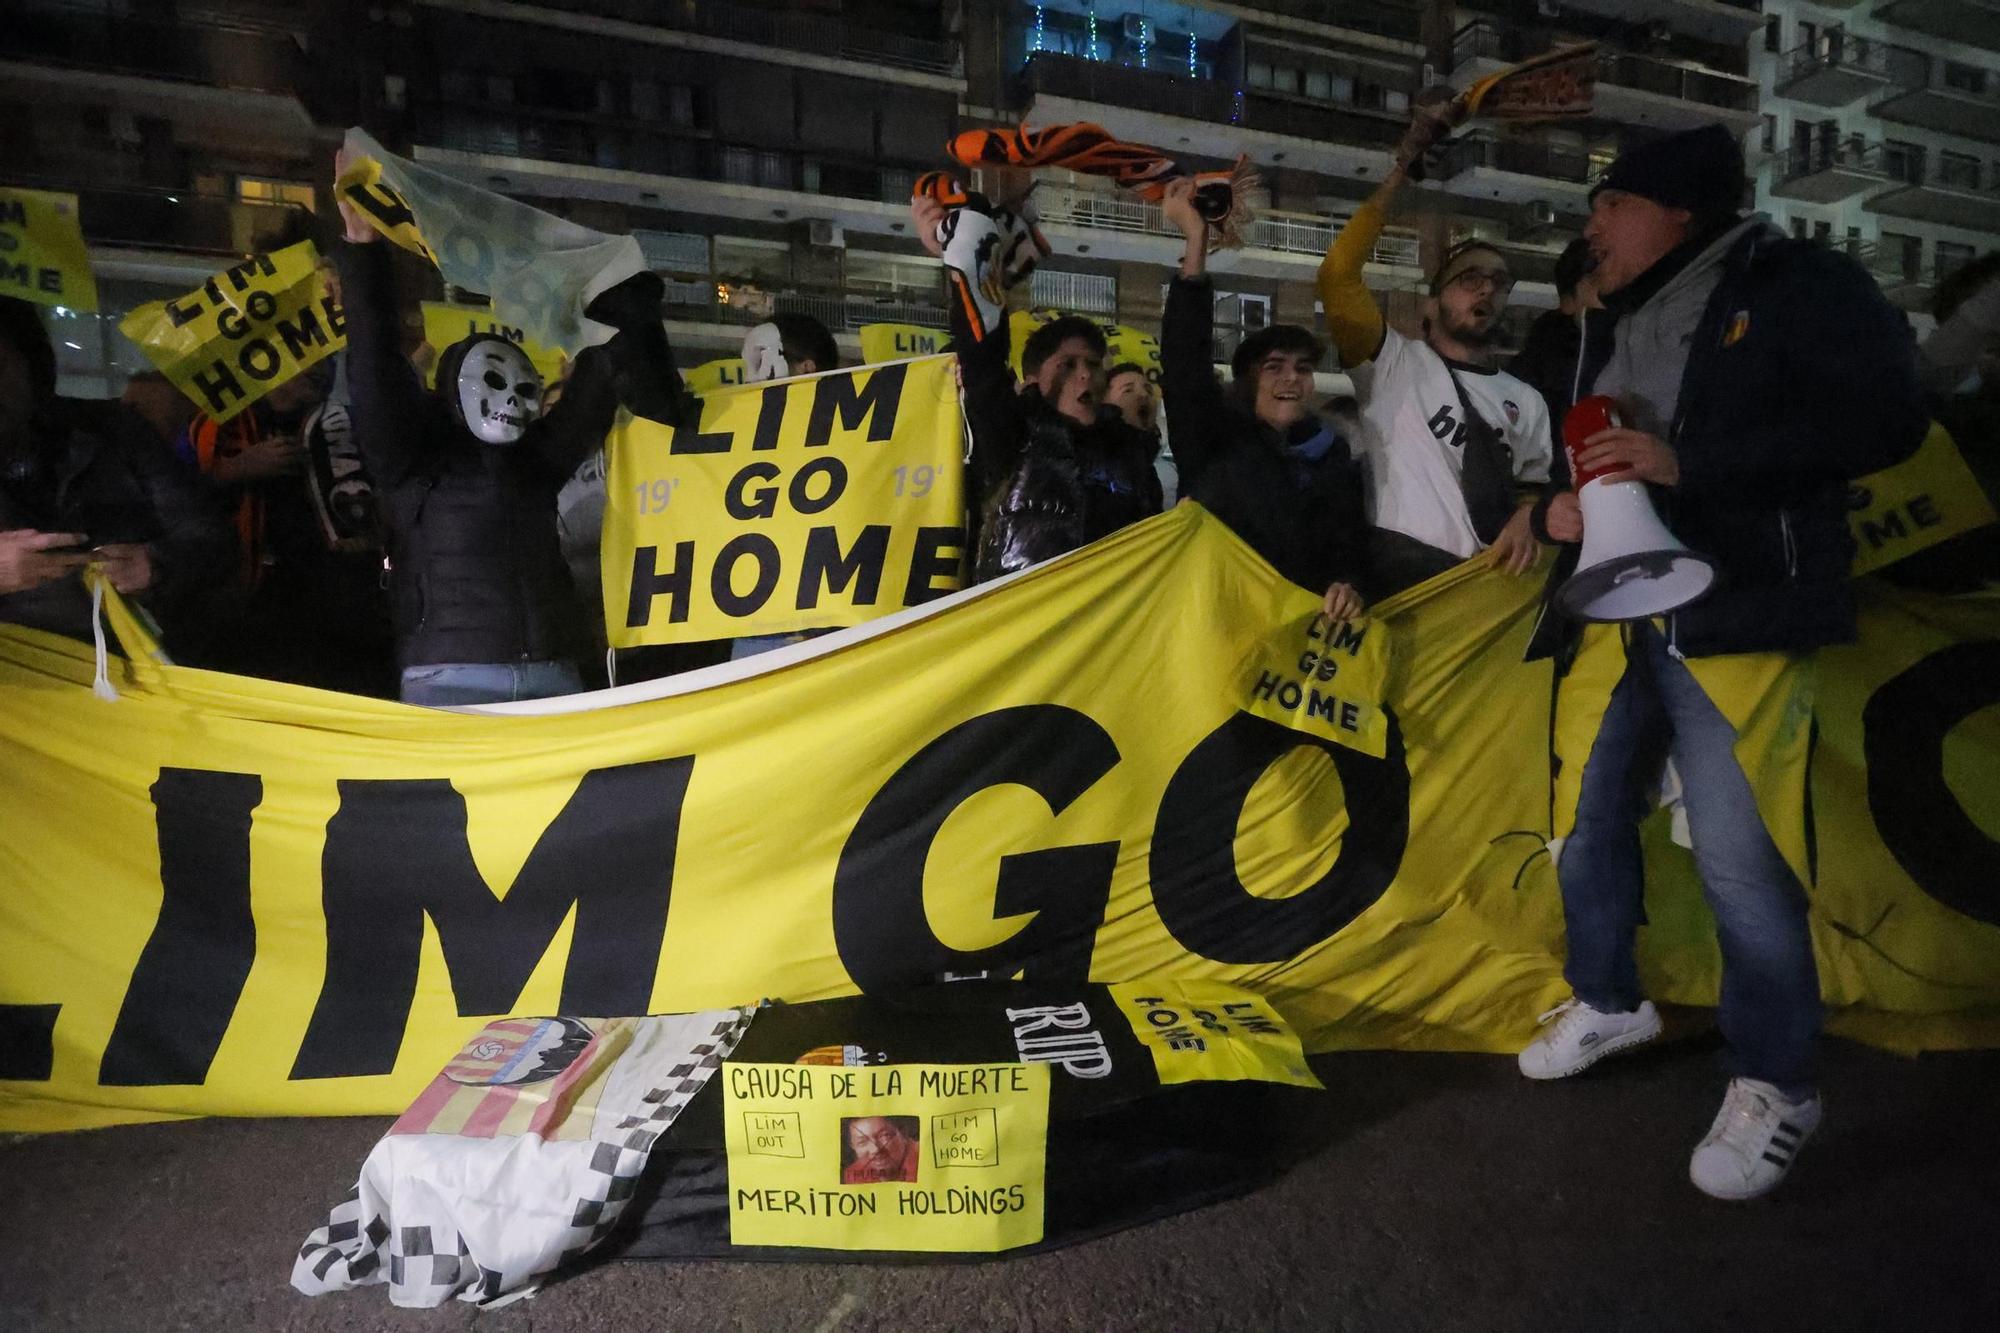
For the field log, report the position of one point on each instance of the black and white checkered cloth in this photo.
(425, 1255)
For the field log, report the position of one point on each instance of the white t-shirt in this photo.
(1415, 446)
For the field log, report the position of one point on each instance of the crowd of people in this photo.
(360, 531)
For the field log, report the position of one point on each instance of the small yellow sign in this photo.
(43, 257)
(900, 342)
(1326, 678)
(1206, 1031)
(939, 1158)
(445, 324)
(1927, 498)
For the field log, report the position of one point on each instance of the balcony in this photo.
(1826, 173)
(1974, 22)
(1396, 22)
(1204, 119)
(209, 54)
(1846, 69)
(1901, 273)
(1941, 188)
(784, 29)
(1723, 22)
(1928, 95)
(841, 312)
(1632, 89)
(1519, 171)
(180, 222)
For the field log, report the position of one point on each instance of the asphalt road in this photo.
(1452, 1195)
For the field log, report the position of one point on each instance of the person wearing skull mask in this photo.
(467, 479)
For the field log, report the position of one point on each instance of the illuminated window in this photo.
(261, 190)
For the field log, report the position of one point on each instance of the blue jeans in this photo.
(1770, 1009)
(764, 643)
(449, 684)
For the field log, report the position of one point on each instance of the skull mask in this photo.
(499, 391)
(764, 355)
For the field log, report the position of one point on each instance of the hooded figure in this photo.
(467, 476)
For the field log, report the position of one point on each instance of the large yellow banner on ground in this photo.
(808, 503)
(244, 332)
(228, 896)
(43, 256)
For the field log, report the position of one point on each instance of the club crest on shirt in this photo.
(1739, 324)
(1513, 410)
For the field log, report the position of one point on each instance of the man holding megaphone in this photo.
(1743, 380)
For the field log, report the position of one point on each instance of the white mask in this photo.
(499, 391)
(764, 355)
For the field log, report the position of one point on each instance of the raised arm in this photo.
(1353, 320)
(386, 400)
(1197, 409)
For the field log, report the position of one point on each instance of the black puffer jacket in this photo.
(1045, 484)
(1303, 514)
(477, 574)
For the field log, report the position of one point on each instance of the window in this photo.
(1823, 233)
(1951, 258)
(1964, 78)
(1083, 293)
(1774, 33)
(395, 90)
(1285, 79)
(1903, 161)
(890, 273)
(1799, 228)
(767, 263)
(260, 190)
(1396, 100)
(1905, 254)
(1770, 139)
(1260, 74)
(681, 107)
(1319, 85)
(1959, 169)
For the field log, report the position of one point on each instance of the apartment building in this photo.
(763, 150)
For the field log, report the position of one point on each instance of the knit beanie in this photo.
(1700, 170)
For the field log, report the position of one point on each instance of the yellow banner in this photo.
(900, 342)
(445, 324)
(726, 372)
(806, 503)
(229, 896)
(362, 186)
(1926, 499)
(244, 332)
(1123, 343)
(1198, 1031)
(43, 257)
(935, 1158)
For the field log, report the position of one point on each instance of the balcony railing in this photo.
(219, 55)
(1404, 23)
(181, 221)
(790, 30)
(1485, 39)
(841, 312)
(1851, 155)
(1290, 233)
(1526, 157)
(1879, 59)
(1047, 72)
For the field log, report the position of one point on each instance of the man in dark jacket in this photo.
(83, 483)
(1756, 376)
(1053, 468)
(1547, 361)
(467, 477)
(1258, 457)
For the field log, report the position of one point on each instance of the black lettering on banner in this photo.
(676, 585)
(260, 360)
(1201, 899)
(14, 213)
(383, 204)
(217, 385)
(929, 563)
(741, 506)
(1878, 535)
(800, 491)
(307, 333)
(179, 315)
(397, 852)
(721, 586)
(770, 416)
(842, 396)
(191, 972)
(336, 318)
(1940, 847)
(861, 565)
(28, 1041)
(880, 928)
(691, 439)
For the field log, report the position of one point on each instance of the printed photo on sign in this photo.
(875, 1148)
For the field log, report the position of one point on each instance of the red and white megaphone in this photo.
(1631, 567)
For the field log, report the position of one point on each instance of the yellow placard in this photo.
(1326, 678)
(43, 257)
(1928, 498)
(726, 372)
(900, 342)
(362, 186)
(1122, 342)
(244, 332)
(820, 501)
(1200, 1031)
(445, 324)
(937, 1158)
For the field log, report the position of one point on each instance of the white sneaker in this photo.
(1582, 1036)
(1754, 1141)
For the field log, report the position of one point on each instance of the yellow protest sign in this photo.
(445, 324)
(1327, 678)
(362, 186)
(43, 257)
(280, 901)
(1200, 1031)
(723, 373)
(824, 500)
(939, 1158)
(244, 332)
(1926, 499)
(1122, 342)
(900, 342)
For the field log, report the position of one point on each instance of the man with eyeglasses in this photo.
(1455, 449)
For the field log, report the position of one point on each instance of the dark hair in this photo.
(1124, 368)
(1959, 284)
(1464, 247)
(1571, 265)
(1289, 338)
(806, 339)
(21, 324)
(1044, 341)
